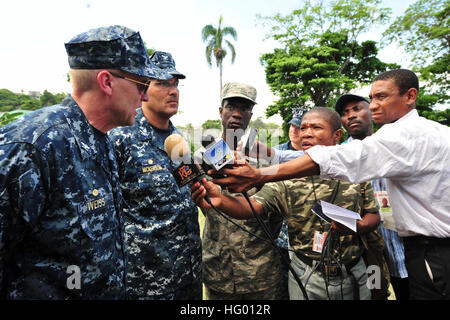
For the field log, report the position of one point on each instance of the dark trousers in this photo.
(193, 291)
(428, 263)
(401, 288)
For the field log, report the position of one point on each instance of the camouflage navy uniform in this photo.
(60, 205)
(61, 225)
(161, 220)
(237, 265)
(295, 199)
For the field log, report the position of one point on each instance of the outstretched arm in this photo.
(243, 177)
(235, 207)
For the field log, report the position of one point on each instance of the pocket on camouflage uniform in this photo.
(159, 186)
(98, 216)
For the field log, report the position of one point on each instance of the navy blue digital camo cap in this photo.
(297, 116)
(164, 60)
(113, 47)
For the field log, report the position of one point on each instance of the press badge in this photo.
(319, 239)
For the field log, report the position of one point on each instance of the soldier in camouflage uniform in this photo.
(294, 143)
(61, 224)
(237, 265)
(323, 279)
(161, 220)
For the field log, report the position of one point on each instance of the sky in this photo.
(33, 33)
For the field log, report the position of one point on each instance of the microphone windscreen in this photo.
(207, 140)
(176, 147)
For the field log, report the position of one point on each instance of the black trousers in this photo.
(428, 263)
(401, 287)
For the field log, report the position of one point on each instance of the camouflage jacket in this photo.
(235, 261)
(295, 199)
(161, 220)
(60, 208)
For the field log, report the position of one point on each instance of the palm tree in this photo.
(214, 39)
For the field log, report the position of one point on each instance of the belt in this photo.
(332, 270)
(424, 240)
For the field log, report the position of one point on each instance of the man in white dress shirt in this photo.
(412, 153)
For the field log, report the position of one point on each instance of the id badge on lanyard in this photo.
(319, 239)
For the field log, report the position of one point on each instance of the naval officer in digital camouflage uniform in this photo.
(295, 198)
(61, 224)
(161, 220)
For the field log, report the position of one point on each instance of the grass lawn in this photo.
(201, 221)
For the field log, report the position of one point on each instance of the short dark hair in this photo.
(403, 78)
(331, 116)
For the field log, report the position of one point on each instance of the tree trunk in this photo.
(220, 73)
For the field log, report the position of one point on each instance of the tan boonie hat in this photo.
(238, 90)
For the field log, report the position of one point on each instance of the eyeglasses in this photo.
(142, 86)
(168, 84)
(243, 109)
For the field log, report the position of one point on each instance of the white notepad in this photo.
(328, 212)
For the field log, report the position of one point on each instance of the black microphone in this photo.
(188, 171)
(219, 155)
(207, 140)
(248, 141)
(216, 154)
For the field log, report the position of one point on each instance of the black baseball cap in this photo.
(346, 98)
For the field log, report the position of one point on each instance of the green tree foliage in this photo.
(212, 124)
(47, 99)
(12, 101)
(216, 44)
(150, 51)
(29, 103)
(424, 32)
(188, 126)
(14, 104)
(425, 103)
(260, 124)
(322, 58)
(8, 100)
(267, 131)
(9, 117)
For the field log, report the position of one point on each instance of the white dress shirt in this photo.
(413, 154)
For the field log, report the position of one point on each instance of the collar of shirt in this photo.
(410, 115)
(88, 142)
(81, 129)
(348, 140)
(147, 132)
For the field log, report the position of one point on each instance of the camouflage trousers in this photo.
(339, 287)
(276, 292)
(190, 292)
